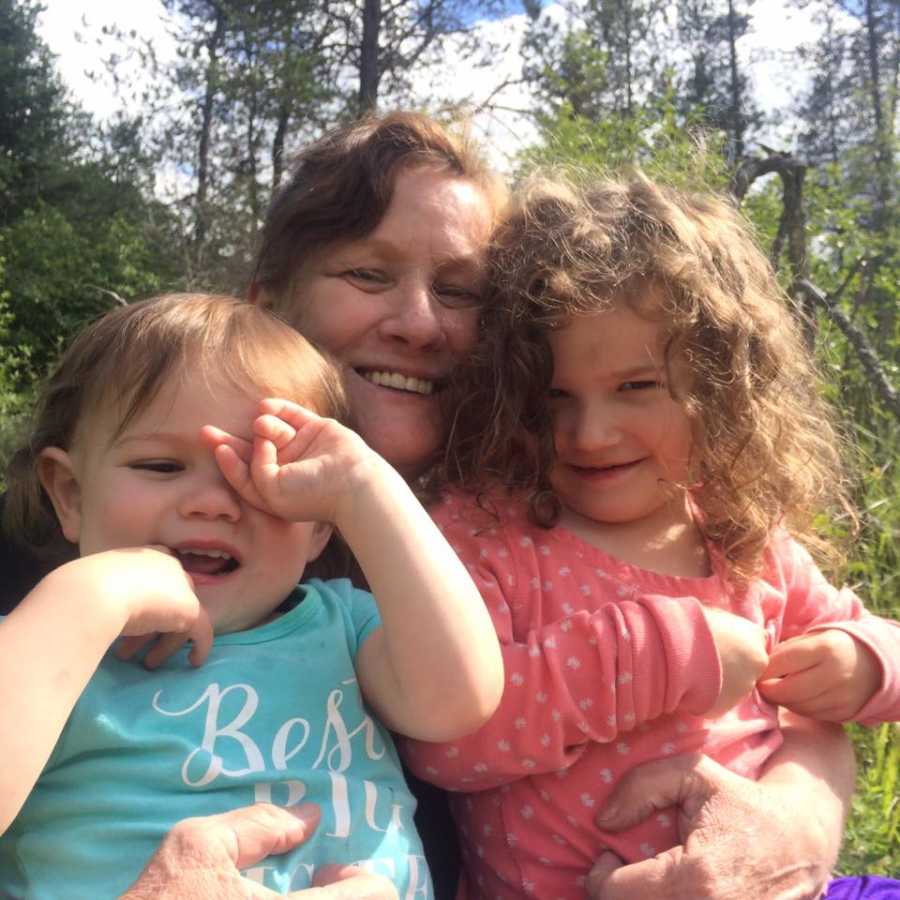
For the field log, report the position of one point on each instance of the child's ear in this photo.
(57, 475)
(321, 534)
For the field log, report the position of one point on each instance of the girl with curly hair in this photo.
(638, 451)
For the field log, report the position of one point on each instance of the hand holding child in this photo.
(828, 675)
(742, 651)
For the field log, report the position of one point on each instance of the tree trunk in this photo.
(883, 137)
(278, 145)
(212, 48)
(791, 226)
(368, 59)
(736, 123)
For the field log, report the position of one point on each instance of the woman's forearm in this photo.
(816, 760)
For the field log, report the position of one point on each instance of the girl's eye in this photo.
(160, 466)
(556, 393)
(456, 296)
(640, 385)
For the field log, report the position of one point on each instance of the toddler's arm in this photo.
(53, 641)
(836, 662)
(433, 670)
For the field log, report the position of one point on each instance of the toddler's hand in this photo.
(300, 465)
(742, 651)
(152, 594)
(828, 675)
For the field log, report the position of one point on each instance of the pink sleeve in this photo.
(814, 605)
(584, 678)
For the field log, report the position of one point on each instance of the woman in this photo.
(375, 250)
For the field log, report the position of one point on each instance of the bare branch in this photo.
(867, 356)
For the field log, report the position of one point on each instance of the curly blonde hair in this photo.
(766, 452)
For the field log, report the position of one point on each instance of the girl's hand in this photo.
(742, 651)
(150, 591)
(300, 465)
(828, 675)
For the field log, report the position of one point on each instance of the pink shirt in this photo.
(607, 666)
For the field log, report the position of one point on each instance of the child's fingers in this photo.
(127, 647)
(792, 657)
(800, 687)
(264, 464)
(201, 634)
(292, 445)
(166, 645)
(292, 413)
(295, 416)
(236, 472)
(214, 437)
(274, 429)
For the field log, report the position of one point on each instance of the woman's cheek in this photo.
(462, 331)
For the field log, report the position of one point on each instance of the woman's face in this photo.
(399, 308)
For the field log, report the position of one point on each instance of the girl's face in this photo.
(623, 445)
(399, 307)
(158, 484)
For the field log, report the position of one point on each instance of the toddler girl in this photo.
(640, 443)
(196, 505)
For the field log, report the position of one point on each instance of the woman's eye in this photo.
(456, 296)
(161, 466)
(366, 276)
(556, 393)
(640, 385)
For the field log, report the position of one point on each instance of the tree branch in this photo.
(867, 356)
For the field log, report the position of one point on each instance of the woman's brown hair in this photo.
(120, 362)
(340, 187)
(765, 450)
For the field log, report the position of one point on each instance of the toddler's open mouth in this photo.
(206, 562)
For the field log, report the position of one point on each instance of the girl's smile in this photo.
(622, 442)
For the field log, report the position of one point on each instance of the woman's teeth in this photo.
(399, 382)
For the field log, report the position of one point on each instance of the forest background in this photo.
(167, 193)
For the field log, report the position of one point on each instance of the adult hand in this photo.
(740, 838)
(201, 858)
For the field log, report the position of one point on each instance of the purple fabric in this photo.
(863, 887)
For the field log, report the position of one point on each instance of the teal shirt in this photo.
(275, 714)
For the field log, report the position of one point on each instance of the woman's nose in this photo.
(415, 317)
(209, 496)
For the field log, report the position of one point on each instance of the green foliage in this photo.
(77, 230)
(60, 274)
(655, 137)
(873, 831)
(13, 402)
